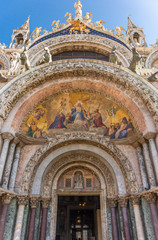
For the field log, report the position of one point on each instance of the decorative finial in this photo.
(78, 11)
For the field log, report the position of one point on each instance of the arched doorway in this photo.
(78, 208)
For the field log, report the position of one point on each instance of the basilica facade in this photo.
(79, 132)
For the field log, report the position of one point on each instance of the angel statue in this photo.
(36, 32)
(100, 26)
(87, 18)
(119, 33)
(55, 25)
(70, 18)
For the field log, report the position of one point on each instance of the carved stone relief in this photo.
(76, 137)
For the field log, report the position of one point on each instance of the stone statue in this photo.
(78, 180)
(24, 59)
(136, 58)
(113, 56)
(78, 11)
(36, 32)
(13, 61)
(70, 18)
(47, 56)
(87, 18)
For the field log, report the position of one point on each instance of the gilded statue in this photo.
(100, 25)
(55, 25)
(78, 26)
(69, 17)
(36, 32)
(87, 18)
(119, 33)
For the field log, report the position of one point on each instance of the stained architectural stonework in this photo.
(79, 132)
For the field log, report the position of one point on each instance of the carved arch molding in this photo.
(71, 138)
(55, 72)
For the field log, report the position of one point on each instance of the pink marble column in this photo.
(113, 204)
(45, 205)
(151, 199)
(6, 198)
(33, 202)
(123, 200)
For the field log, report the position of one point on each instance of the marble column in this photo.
(7, 138)
(15, 166)
(33, 202)
(123, 200)
(6, 198)
(45, 205)
(113, 204)
(22, 201)
(153, 151)
(9, 162)
(148, 163)
(151, 199)
(142, 166)
(139, 226)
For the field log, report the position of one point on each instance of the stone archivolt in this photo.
(76, 137)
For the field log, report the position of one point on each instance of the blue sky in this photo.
(13, 13)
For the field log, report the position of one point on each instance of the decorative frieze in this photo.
(150, 197)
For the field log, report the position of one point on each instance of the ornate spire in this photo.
(25, 26)
(78, 11)
(131, 24)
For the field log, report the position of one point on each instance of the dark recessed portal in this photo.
(77, 218)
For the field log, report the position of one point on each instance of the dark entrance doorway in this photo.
(77, 218)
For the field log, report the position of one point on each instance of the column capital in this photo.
(150, 197)
(135, 199)
(45, 202)
(34, 201)
(150, 135)
(7, 135)
(22, 199)
(123, 200)
(112, 201)
(142, 140)
(7, 197)
(136, 145)
(16, 140)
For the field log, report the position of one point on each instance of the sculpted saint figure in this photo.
(78, 11)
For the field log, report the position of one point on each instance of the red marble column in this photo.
(33, 202)
(123, 204)
(3, 214)
(151, 199)
(113, 204)
(45, 204)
